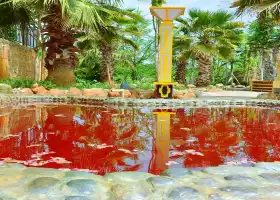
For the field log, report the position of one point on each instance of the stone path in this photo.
(258, 182)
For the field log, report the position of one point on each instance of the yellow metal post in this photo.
(164, 84)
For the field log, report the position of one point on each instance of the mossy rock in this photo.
(5, 89)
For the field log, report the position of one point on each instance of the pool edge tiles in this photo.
(124, 103)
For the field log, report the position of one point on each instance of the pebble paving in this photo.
(258, 182)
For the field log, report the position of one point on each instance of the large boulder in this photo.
(95, 92)
(39, 90)
(57, 92)
(146, 94)
(5, 89)
(114, 94)
(26, 91)
(184, 95)
(215, 90)
(220, 85)
(74, 91)
(191, 86)
(127, 94)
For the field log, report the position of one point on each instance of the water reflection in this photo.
(104, 140)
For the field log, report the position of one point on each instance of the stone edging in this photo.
(18, 100)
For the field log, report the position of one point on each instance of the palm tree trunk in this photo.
(204, 65)
(106, 66)
(278, 66)
(268, 66)
(181, 71)
(60, 59)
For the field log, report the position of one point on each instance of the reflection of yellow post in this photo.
(161, 142)
(164, 86)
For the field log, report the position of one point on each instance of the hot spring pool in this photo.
(102, 140)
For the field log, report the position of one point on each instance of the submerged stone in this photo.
(127, 176)
(160, 181)
(42, 185)
(271, 177)
(42, 171)
(229, 170)
(183, 193)
(240, 191)
(134, 196)
(207, 182)
(77, 198)
(275, 166)
(84, 186)
(240, 178)
(177, 172)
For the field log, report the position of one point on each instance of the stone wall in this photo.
(16, 61)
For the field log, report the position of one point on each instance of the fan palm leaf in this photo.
(205, 34)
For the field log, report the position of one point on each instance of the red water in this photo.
(102, 141)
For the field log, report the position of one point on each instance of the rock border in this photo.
(123, 103)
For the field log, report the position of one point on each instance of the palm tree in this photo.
(204, 34)
(117, 29)
(268, 12)
(262, 6)
(62, 19)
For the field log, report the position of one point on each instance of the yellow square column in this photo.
(164, 84)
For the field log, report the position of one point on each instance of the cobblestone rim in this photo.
(123, 103)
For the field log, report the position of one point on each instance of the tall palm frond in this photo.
(261, 6)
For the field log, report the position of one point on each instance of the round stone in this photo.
(177, 172)
(275, 166)
(76, 198)
(33, 171)
(160, 181)
(217, 196)
(207, 182)
(14, 165)
(183, 193)
(240, 178)
(84, 186)
(121, 177)
(272, 191)
(214, 197)
(42, 185)
(72, 174)
(271, 177)
(229, 170)
(240, 191)
(134, 196)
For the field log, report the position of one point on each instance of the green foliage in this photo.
(48, 84)
(263, 34)
(209, 33)
(89, 67)
(18, 83)
(86, 84)
(8, 33)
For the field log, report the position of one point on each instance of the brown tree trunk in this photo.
(61, 74)
(278, 66)
(106, 66)
(181, 71)
(60, 59)
(268, 66)
(204, 65)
